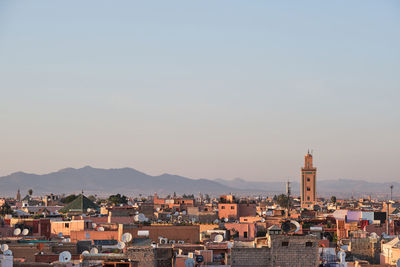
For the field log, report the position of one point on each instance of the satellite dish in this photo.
(94, 225)
(7, 253)
(141, 217)
(230, 245)
(290, 226)
(4, 248)
(127, 237)
(176, 213)
(60, 234)
(100, 229)
(262, 220)
(216, 221)
(398, 263)
(17, 231)
(184, 212)
(121, 245)
(65, 256)
(157, 209)
(296, 224)
(226, 219)
(25, 232)
(85, 252)
(94, 251)
(342, 256)
(218, 238)
(374, 235)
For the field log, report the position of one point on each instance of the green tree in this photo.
(282, 200)
(333, 199)
(5, 209)
(30, 192)
(117, 199)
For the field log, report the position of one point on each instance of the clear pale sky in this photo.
(206, 89)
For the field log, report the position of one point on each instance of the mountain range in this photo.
(132, 182)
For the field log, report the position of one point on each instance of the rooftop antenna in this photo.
(288, 191)
(391, 192)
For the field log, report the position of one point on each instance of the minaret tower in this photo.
(18, 195)
(308, 183)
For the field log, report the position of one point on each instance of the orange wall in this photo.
(226, 210)
(94, 235)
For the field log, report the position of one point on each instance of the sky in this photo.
(203, 89)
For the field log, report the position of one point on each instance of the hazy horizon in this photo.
(210, 89)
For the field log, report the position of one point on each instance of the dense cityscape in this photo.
(190, 230)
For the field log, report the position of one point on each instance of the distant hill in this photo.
(107, 181)
(132, 182)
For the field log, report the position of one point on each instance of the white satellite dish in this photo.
(60, 234)
(184, 212)
(218, 238)
(25, 231)
(94, 225)
(176, 213)
(226, 219)
(7, 253)
(374, 235)
(296, 224)
(100, 229)
(216, 221)
(4, 247)
(94, 251)
(230, 245)
(127, 237)
(85, 252)
(341, 256)
(65, 256)
(262, 220)
(157, 209)
(17, 231)
(141, 217)
(121, 245)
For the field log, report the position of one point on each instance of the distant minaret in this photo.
(308, 183)
(18, 195)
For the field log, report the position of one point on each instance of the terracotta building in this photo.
(308, 183)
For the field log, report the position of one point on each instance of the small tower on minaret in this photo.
(308, 183)
(18, 195)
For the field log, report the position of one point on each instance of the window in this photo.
(222, 207)
(245, 220)
(66, 225)
(308, 189)
(232, 207)
(308, 179)
(245, 234)
(285, 243)
(308, 244)
(308, 198)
